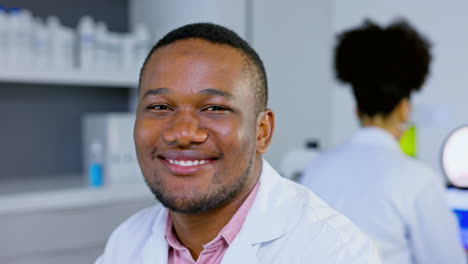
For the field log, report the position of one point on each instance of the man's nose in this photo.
(185, 130)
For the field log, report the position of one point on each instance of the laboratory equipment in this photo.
(455, 157)
(296, 160)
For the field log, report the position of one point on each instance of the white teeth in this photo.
(187, 163)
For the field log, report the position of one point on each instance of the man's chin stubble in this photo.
(215, 199)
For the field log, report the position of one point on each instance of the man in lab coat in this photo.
(396, 199)
(202, 126)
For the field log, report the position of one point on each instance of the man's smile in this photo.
(186, 162)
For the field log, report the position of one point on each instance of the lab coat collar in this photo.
(376, 137)
(265, 222)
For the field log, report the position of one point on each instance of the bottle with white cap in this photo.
(86, 43)
(141, 45)
(19, 37)
(114, 51)
(126, 55)
(14, 27)
(102, 47)
(66, 48)
(25, 38)
(53, 28)
(3, 37)
(41, 45)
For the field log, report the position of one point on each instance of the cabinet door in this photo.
(77, 235)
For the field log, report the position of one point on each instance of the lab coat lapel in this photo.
(264, 222)
(156, 249)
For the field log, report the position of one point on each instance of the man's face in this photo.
(196, 129)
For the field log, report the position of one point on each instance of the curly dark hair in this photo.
(220, 35)
(383, 65)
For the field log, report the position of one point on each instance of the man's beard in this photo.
(216, 196)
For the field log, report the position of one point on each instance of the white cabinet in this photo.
(64, 234)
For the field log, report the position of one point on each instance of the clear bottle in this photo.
(40, 45)
(114, 51)
(126, 55)
(53, 31)
(86, 44)
(25, 38)
(102, 47)
(14, 55)
(3, 36)
(141, 44)
(66, 48)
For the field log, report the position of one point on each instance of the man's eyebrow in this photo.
(156, 91)
(211, 91)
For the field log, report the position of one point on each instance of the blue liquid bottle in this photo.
(95, 170)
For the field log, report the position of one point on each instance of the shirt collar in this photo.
(375, 136)
(227, 234)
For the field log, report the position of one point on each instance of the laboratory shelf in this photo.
(31, 195)
(70, 77)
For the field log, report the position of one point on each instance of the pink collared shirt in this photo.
(213, 252)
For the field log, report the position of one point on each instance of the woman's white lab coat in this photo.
(397, 200)
(286, 224)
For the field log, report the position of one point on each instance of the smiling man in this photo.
(202, 126)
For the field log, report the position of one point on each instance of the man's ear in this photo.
(265, 127)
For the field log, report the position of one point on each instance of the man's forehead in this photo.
(200, 47)
(182, 59)
(195, 54)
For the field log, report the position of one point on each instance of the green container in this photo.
(408, 142)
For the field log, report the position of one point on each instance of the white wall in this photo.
(442, 104)
(162, 16)
(294, 38)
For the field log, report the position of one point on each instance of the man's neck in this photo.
(196, 230)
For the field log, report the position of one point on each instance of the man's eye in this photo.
(216, 108)
(159, 107)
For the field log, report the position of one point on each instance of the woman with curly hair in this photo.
(396, 200)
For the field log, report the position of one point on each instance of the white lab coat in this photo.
(286, 224)
(397, 200)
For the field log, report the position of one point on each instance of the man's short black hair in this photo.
(383, 65)
(220, 35)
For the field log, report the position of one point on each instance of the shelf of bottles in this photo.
(35, 50)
